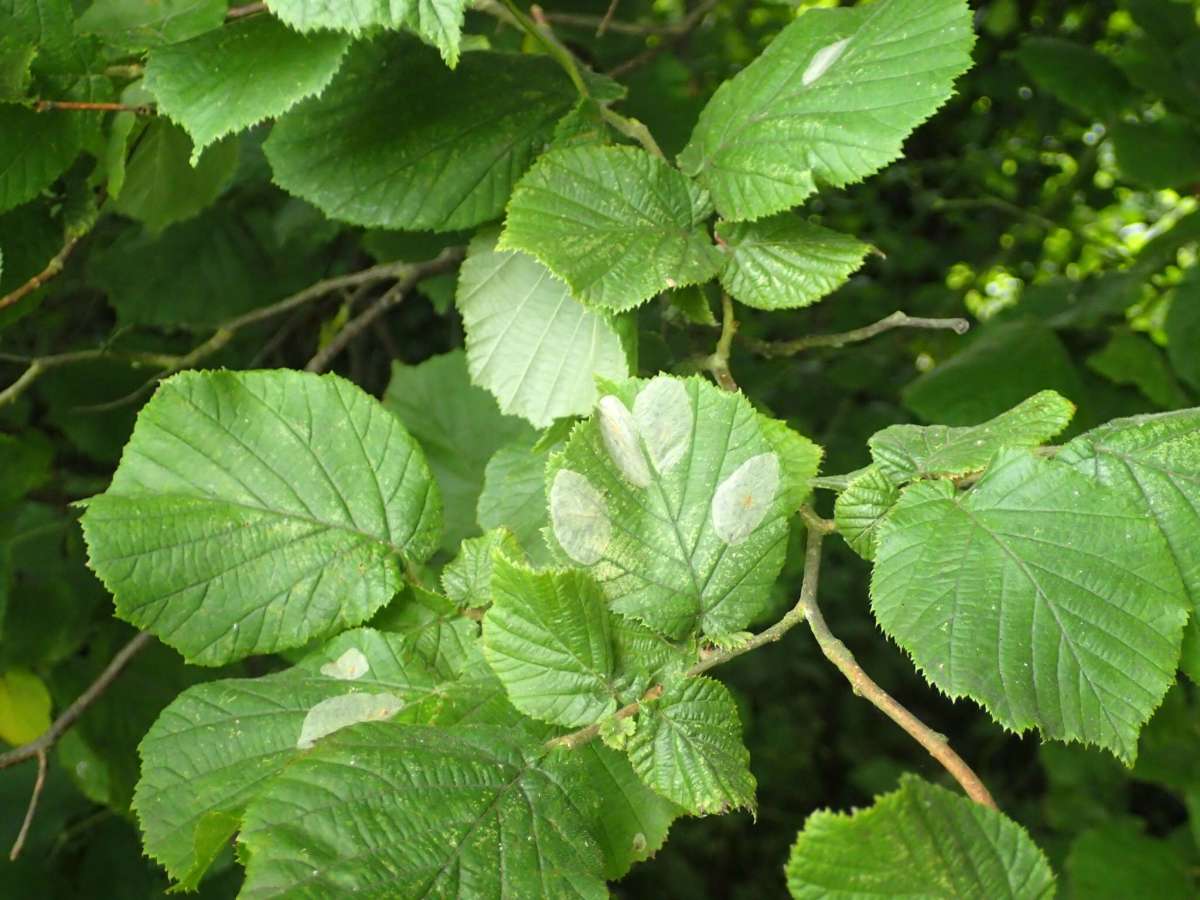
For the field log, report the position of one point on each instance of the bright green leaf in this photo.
(24, 706)
(549, 640)
(615, 223)
(920, 841)
(529, 342)
(688, 747)
(438, 22)
(633, 820)
(398, 141)
(409, 811)
(907, 452)
(161, 185)
(256, 511)
(467, 579)
(1001, 595)
(861, 508)
(514, 496)
(677, 502)
(1155, 462)
(229, 79)
(831, 99)
(785, 262)
(458, 426)
(217, 744)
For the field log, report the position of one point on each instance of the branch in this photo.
(225, 332)
(52, 269)
(71, 714)
(897, 319)
(31, 810)
(82, 106)
(573, 20)
(42, 364)
(240, 12)
(689, 24)
(839, 654)
(835, 651)
(391, 298)
(718, 362)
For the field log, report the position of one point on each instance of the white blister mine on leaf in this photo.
(579, 518)
(663, 415)
(741, 502)
(822, 60)
(337, 713)
(350, 666)
(621, 439)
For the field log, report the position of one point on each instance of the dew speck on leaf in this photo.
(743, 499)
(621, 439)
(350, 666)
(663, 414)
(578, 517)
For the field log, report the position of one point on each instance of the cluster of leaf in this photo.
(535, 723)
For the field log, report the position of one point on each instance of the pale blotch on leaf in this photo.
(620, 435)
(663, 414)
(741, 502)
(822, 60)
(337, 713)
(579, 518)
(350, 666)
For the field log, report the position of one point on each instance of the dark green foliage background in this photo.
(1030, 203)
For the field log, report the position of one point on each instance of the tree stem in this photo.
(897, 319)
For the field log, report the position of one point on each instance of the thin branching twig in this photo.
(897, 319)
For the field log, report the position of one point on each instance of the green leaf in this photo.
(1000, 595)
(24, 706)
(549, 640)
(831, 100)
(138, 24)
(514, 496)
(397, 141)
(1077, 75)
(195, 274)
(27, 464)
(785, 262)
(216, 745)
(861, 508)
(467, 579)
(436, 629)
(256, 511)
(162, 187)
(1155, 462)
(907, 452)
(677, 503)
(615, 223)
(529, 342)
(409, 811)
(688, 747)
(229, 79)
(1116, 861)
(459, 428)
(1183, 330)
(438, 22)
(16, 57)
(1133, 359)
(1003, 366)
(920, 841)
(1160, 154)
(632, 820)
(35, 148)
